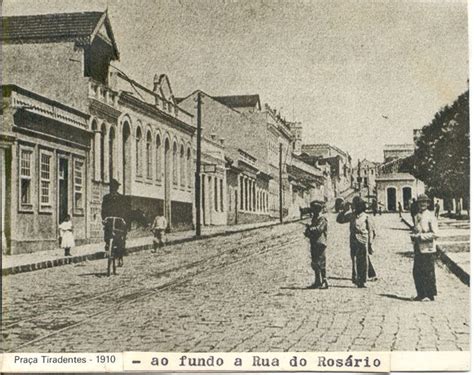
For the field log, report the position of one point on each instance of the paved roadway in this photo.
(244, 292)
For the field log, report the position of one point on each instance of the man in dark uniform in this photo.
(317, 234)
(114, 208)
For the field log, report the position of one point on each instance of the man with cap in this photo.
(423, 238)
(362, 234)
(114, 208)
(317, 234)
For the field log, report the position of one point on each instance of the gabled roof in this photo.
(81, 27)
(239, 101)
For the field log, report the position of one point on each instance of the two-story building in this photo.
(73, 123)
(338, 160)
(247, 174)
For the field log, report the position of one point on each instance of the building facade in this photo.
(395, 186)
(44, 158)
(338, 160)
(83, 123)
(247, 177)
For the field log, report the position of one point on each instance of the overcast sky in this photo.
(336, 66)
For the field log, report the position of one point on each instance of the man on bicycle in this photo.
(114, 217)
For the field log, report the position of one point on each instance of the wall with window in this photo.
(42, 193)
(147, 156)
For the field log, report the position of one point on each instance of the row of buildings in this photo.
(71, 122)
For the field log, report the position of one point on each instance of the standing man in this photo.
(317, 234)
(423, 239)
(362, 234)
(158, 228)
(114, 208)
(374, 207)
(437, 208)
(400, 209)
(413, 209)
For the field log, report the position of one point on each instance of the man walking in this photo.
(400, 209)
(317, 234)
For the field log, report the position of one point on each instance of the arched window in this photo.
(103, 133)
(149, 161)
(182, 167)
(94, 155)
(158, 152)
(175, 164)
(138, 152)
(190, 168)
(111, 152)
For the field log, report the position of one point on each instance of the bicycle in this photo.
(115, 229)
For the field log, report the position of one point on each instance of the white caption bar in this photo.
(332, 361)
(62, 362)
(235, 362)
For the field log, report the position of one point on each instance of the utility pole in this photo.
(197, 183)
(281, 182)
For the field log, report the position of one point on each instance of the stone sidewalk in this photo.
(18, 263)
(453, 245)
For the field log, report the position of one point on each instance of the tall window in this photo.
(138, 152)
(149, 161)
(78, 185)
(26, 174)
(221, 188)
(45, 179)
(216, 203)
(175, 164)
(190, 168)
(158, 152)
(241, 193)
(94, 148)
(103, 132)
(111, 152)
(182, 168)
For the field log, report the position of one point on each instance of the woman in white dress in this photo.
(67, 238)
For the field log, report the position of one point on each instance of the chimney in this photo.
(222, 141)
(213, 136)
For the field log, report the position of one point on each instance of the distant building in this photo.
(397, 151)
(297, 131)
(241, 103)
(364, 174)
(393, 184)
(337, 159)
(248, 197)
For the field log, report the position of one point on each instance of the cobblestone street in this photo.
(243, 292)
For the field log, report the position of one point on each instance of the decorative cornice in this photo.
(152, 111)
(104, 111)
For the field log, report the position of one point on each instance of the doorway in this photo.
(391, 199)
(406, 197)
(63, 188)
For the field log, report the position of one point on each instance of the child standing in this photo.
(67, 238)
(158, 228)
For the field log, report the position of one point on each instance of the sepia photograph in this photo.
(236, 176)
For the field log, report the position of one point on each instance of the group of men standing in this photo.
(362, 234)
